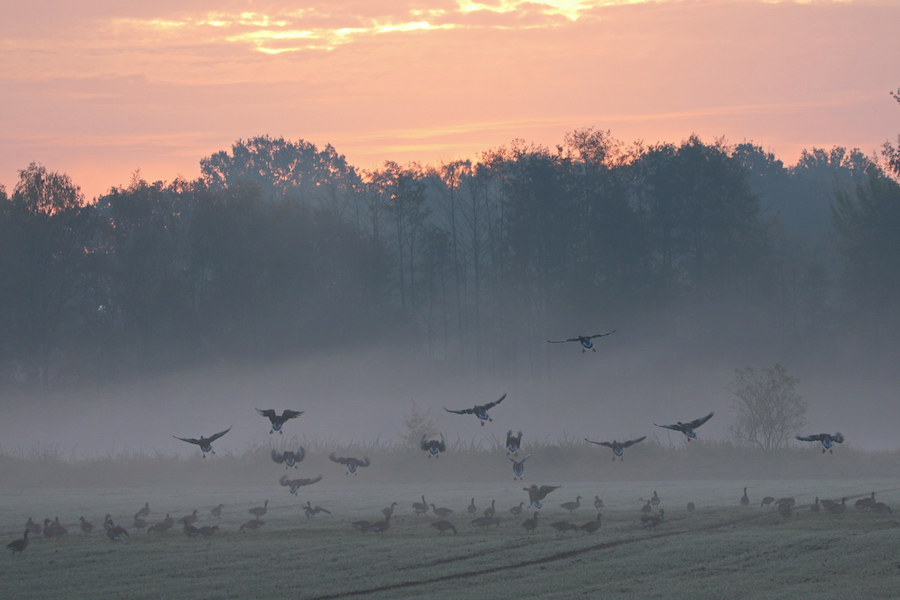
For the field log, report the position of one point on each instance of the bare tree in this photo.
(770, 411)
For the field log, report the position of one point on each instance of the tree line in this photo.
(280, 248)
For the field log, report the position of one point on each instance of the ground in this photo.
(720, 551)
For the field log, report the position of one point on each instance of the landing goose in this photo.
(513, 443)
(584, 340)
(618, 448)
(479, 410)
(205, 443)
(353, 464)
(828, 440)
(296, 484)
(278, 420)
(536, 494)
(433, 447)
(688, 428)
(289, 457)
(311, 511)
(518, 467)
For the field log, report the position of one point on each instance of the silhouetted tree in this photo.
(769, 409)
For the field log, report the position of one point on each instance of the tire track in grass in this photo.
(528, 563)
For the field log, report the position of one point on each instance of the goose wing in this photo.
(268, 413)
(607, 444)
(465, 411)
(290, 414)
(603, 334)
(216, 436)
(188, 440)
(838, 437)
(490, 405)
(338, 459)
(564, 341)
(308, 481)
(698, 422)
(675, 427)
(818, 437)
(277, 456)
(633, 442)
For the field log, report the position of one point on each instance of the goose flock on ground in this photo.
(537, 494)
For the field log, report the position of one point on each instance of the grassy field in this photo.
(719, 551)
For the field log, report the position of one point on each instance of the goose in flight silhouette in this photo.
(205, 443)
(828, 440)
(585, 340)
(278, 420)
(618, 448)
(480, 411)
(688, 428)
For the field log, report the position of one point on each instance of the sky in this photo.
(100, 88)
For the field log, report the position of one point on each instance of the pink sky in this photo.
(99, 88)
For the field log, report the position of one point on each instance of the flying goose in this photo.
(433, 447)
(205, 443)
(258, 511)
(618, 448)
(572, 506)
(441, 512)
(216, 511)
(420, 508)
(518, 467)
(591, 526)
(532, 523)
(276, 420)
(443, 526)
(289, 457)
(745, 499)
(311, 511)
(585, 340)
(296, 484)
(19, 545)
(536, 494)
(480, 411)
(828, 440)
(252, 524)
(513, 443)
(688, 428)
(353, 464)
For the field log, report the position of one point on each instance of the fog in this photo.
(362, 396)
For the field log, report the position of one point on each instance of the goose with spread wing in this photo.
(289, 458)
(618, 448)
(537, 493)
(513, 443)
(278, 420)
(688, 428)
(518, 467)
(205, 443)
(433, 447)
(296, 484)
(353, 464)
(828, 440)
(584, 340)
(479, 410)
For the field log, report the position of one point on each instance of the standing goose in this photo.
(653, 521)
(19, 545)
(441, 512)
(490, 511)
(58, 528)
(518, 467)
(381, 526)
(865, 503)
(208, 531)
(205, 443)
(513, 443)
(352, 464)
(189, 519)
(443, 526)
(598, 503)
(767, 501)
(143, 512)
(486, 522)
(691, 507)
(536, 494)
(532, 523)
(828, 440)
(170, 521)
(828, 504)
(191, 531)
(618, 448)
(880, 508)
(252, 525)
(572, 506)
(591, 526)
(647, 508)
(837, 509)
(517, 510)
(289, 457)
(48, 530)
(654, 501)
(140, 524)
(35, 528)
(390, 509)
(480, 411)
(433, 447)
(278, 420)
(745, 499)
(159, 528)
(420, 508)
(258, 511)
(584, 340)
(296, 484)
(217, 511)
(814, 507)
(688, 428)
(471, 508)
(86, 526)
